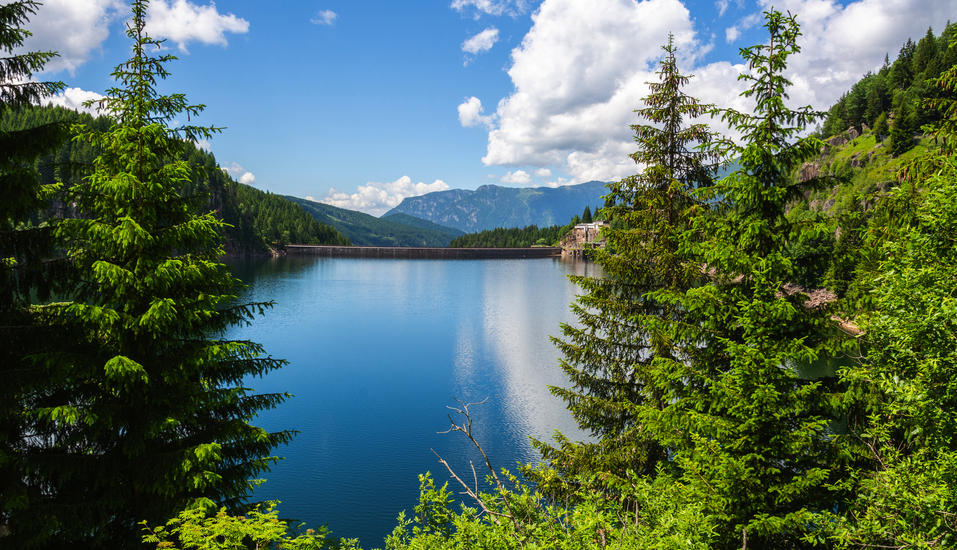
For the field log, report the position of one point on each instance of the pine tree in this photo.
(751, 437)
(624, 319)
(143, 412)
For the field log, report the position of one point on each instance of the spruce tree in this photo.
(901, 138)
(23, 247)
(880, 127)
(586, 215)
(143, 411)
(750, 435)
(26, 248)
(626, 318)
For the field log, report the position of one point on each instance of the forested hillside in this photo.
(893, 92)
(257, 219)
(366, 230)
(525, 237)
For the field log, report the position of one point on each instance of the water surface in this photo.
(377, 349)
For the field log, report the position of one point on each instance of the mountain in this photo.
(365, 230)
(422, 224)
(491, 206)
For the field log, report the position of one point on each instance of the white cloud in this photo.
(233, 169)
(578, 75)
(470, 113)
(722, 5)
(244, 176)
(492, 7)
(581, 70)
(204, 144)
(74, 29)
(183, 22)
(519, 177)
(77, 29)
(309, 198)
(377, 198)
(73, 98)
(481, 42)
(731, 34)
(325, 17)
(841, 43)
(543, 173)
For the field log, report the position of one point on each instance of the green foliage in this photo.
(902, 138)
(197, 529)
(642, 514)
(751, 437)
(24, 242)
(26, 247)
(139, 412)
(881, 128)
(626, 322)
(906, 78)
(586, 215)
(512, 238)
(903, 392)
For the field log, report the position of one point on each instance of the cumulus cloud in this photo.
(519, 177)
(543, 173)
(77, 30)
(841, 43)
(491, 7)
(577, 76)
(74, 29)
(204, 145)
(481, 42)
(325, 17)
(731, 34)
(377, 198)
(581, 70)
(183, 22)
(470, 113)
(73, 98)
(241, 174)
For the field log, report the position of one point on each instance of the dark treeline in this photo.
(512, 237)
(525, 237)
(893, 91)
(257, 219)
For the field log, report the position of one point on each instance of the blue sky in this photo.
(362, 103)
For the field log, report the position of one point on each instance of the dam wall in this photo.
(423, 253)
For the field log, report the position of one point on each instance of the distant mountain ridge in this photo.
(492, 206)
(365, 230)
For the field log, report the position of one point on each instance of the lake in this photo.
(377, 349)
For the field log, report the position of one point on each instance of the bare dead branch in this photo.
(466, 428)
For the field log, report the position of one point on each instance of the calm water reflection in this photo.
(377, 349)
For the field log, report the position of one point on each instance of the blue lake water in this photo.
(377, 349)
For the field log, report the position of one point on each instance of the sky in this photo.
(361, 103)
